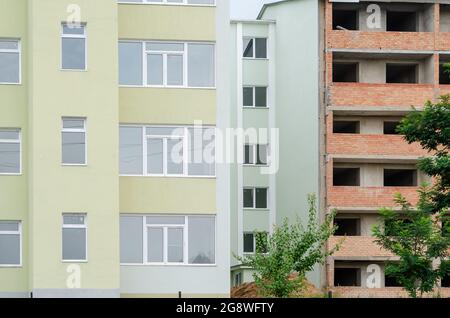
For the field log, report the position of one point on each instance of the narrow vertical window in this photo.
(74, 47)
(74, 237)
(10, 162)
(201, 64)
(9, 61)
(74, 141)
(255, 198)
(10, 243)
(255, 96)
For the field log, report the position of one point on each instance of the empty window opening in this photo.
(444, 76)
(400, 178)
(401, 21)
(346, 177)
(401, 73)
(347, 227)
(345, 20)
(347, 277)
(390, 127)
(346, 127)
(390, 281)
(345, 72)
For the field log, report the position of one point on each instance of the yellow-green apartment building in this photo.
(92, 94)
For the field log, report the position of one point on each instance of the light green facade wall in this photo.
(13, 114)
(92, 189)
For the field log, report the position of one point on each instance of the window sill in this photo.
(74, 261)
(74, 165)
(168, 87)
(168, 4)
(74, 70)
(255, 165)
(11, 266)
(15, 84)
(255, 107)
(169, 177)
(256, 209)
(170, 265)
(255, 58)
(11, 174)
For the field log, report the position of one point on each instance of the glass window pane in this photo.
(175, 70)
(9, 45)
(248, 154)
(201, 65)
(9, 226)
(155, 245)
(73, 29)
(74, 219)
(261, 198)
(9, 67)
(248, 96)
(174, 156)
(74, 244)
(261, 48)
(248, 48)
(73, 123)
(154, 69)
(9, 134)
(261, 96)
(165, 47)
(165, 131)
(175, 245)
(155, 156)
(9, 158)
(201, 240)
(73, 54)
(9, 249)
(131, 240)
(262, 155)
(73, 148)
(130, 63)
(248, 198)
(202, 161)
(131, 157)
(248, 243)
(165, 220)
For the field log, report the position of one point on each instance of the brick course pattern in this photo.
(388, 292)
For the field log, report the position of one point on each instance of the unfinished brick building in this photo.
(381, 58)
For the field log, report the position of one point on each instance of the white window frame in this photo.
(254, 155)
(19, 232)
(253, 87)
(18, 51)
(165, 2)
(253, 57)
(254, 198)
(75, 36)
(165, 228)
(13, 141)
(75, 130)
(254, 240)
(184, 53)
(186, 142)
(74, 226)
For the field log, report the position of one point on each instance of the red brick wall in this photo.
(389, 292)
(357, 246)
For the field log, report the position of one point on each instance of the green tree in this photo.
(282, 259)
(431, 128)
(416, 236)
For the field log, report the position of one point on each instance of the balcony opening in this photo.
(347, 227)
(444, 18)
(401, 21)
(401, 73)
(345, 20)
(346, 177)
(400, 178)
(347, 277)
(345, 72)
(445, 282)
(346, 127)
(444, 75)
(390, 127)
(390, 281)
